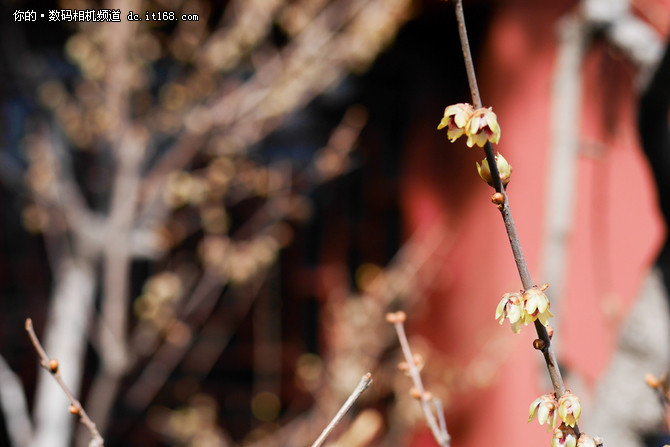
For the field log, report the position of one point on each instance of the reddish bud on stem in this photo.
(396, 317)
(497, 198)
(651, 380)
(550, 331)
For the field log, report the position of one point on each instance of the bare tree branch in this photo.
(365, 382)
(53, 368)
(438, 428)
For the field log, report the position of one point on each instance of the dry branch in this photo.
(53, 368)
(365, 382)
(437, 425)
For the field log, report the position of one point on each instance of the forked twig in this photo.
(438, 428)
(51, 365)
(365, 382)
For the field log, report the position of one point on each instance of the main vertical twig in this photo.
(522, 266)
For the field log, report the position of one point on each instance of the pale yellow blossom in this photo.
(511, 307)
(545, 408)
(482, 127)
(564, 436)
(456, 118)
(569, 408)
(536, 306)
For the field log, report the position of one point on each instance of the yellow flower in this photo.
(504, 169)
(545, 406)
(536, 306)
(564, 437)
(569, 408)
(456, 118)
(482, 127)
(511, 307)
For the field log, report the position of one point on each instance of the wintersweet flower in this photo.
(456, 118)
(569, 408)
(511, 307)
(536, 306)
(586, 441)
(564, 436)
(504, 169)
(545, 407)
(482, 127)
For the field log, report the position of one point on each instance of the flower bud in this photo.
(652, 381)
(550, 331)
(53, 366)
(419, 361)
(544, 407)
(396, 317)
(504, 169)
(569, 408)
(564, 437)
(586, 441)
(497, 198)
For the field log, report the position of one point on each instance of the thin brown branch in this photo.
(52, 367)
(365, 382)
(505, 210)
(467, 57)
(439, 429)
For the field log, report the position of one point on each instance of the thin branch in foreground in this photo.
(365, 382)
(439, 429)
(51, 365)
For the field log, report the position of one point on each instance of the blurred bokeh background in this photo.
(208, 214)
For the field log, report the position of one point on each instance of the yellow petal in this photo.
(496, 136)
(454, 134)
(533, 408)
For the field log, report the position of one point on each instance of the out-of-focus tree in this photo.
(143, 162)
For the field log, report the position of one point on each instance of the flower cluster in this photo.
(524, 308)
(547, 409)
(564, 436)
(479, 125)
(560, 416)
